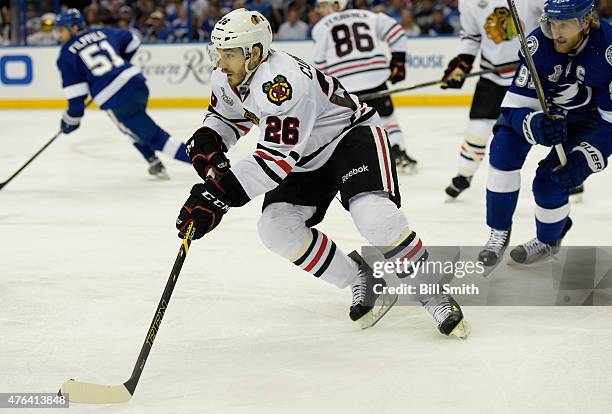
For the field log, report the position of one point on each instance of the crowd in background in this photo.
(167, 20)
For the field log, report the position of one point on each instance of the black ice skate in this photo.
(535, 250)
(576, 193)
(448, 315)
(157, 169)
(458, 185)
(368, 307)
(494, 250)
(402, 160)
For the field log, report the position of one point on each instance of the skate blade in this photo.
(380, 309)
(409, 169)
(576, 198)
(163, 176)
(462, 330)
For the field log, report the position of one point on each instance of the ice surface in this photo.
(87, 241)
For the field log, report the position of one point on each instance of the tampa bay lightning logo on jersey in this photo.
(609, 54)
(571, 96)
(533, 44)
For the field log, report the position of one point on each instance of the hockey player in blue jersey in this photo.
(572, 51)
(96, 62)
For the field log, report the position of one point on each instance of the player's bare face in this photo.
(324, 9)
(567, 34)
(231, 62)
(62, 34)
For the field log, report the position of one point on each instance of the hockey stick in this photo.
(33, 157)
(86, 393)
(382, 94)
(534, 73)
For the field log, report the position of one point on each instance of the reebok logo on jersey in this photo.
(354, 171)
(278, 90)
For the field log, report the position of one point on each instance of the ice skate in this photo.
(448, 316)
(535, 250)
(576, 193)
(458, 185)
(403, 161)
(157, 169)
(368, 307)
(494, 250)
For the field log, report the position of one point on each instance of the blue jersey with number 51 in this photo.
(96, 62)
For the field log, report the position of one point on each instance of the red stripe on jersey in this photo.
(374, 62)
(399, 29)
(384, 151)
(281, 163)
(474, 151)
(243, 128)
(314, 261)
(413, 251)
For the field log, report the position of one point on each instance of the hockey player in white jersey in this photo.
(486, 27)
(352, 45)
(315, 140)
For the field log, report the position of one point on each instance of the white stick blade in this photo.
(85, 393)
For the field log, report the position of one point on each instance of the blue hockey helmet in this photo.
(568, 9)
(570, 15)
(69, 18)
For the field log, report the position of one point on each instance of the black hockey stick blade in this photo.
(87, 393)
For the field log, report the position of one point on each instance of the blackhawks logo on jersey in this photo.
(278, 90)
(499, 25)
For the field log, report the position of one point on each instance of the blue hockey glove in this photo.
(69, 123)
(583, 161)
(540, 129)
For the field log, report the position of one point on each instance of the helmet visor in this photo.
(213, 55)
(560, 29)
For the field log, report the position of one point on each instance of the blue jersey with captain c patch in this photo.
(97, 63)
(579, 82)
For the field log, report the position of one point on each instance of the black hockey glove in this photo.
(540, 129)
(205, 207)
(583, 161)
(206, 150)
(398, 67)
(458, 67)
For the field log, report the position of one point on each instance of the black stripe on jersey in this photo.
(323, 82)
(397, 40)
(225, 122)
(319, 62)
(474, 37)
(359, 71)
(493, 65)
(396, 250)
(390, 29)
(328, 260)
(354, 122)
(353, 60)
(315, 236)
(271, 151)
(466, 157)
(477, 146)
(235, 121)
(273, 176)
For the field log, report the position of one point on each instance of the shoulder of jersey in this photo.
(278, 79)
(217, 78)
(603, 40)
(538, 44)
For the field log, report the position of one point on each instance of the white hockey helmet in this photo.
(342, 4)
(244, 29)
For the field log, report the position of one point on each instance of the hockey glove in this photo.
(206, 150)
(205, 207)
(398, 67)
(69, 123)
(458, 67)
(583, 161)
(540, 129)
